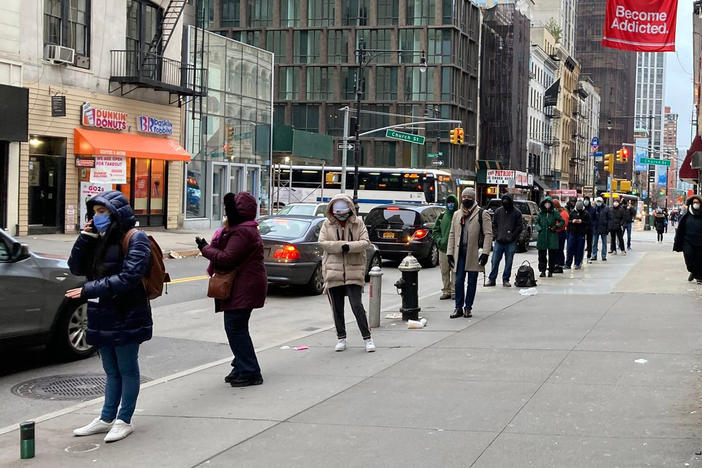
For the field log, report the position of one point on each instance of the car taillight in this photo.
(420, 234)
(288, 252)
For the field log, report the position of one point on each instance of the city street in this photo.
(599, 368)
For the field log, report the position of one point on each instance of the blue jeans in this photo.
(576, 249)
(465, 296)
(595, 241)
(121, 364)
(508, 251)
(236, 325)
(628, 235)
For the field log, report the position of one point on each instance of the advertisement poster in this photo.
(87, 191)
(109, 170)
(641, 151)
(640, 25)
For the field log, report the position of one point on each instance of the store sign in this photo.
(109, 170)
(87, 191)
(640, 25)
(499, 177)
(58, 106)
(102, 118)
(521, 179)
(151, 125)
(85, 162)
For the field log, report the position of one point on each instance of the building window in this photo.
(67, 23)
(335, 121)
(355, 12)
(419, 86)
(305, 117)
(379, 120)
(386, 83)
(290, 13)
(420, 12)
(306, 46)
(439, 45)
(348, 83)
(276, 42)
(388, 12)
(320, 13)
(260, 13)
(410, 40)
(288, 82)
(337, 46)
(375, 39)
(385, 154)
(319, 83)
(230, 13)
(448, 85)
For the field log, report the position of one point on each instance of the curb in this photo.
(181, 253)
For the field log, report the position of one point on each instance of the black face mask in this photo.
(468, 203)
(507, 203)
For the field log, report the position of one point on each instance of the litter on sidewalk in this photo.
(393, 316)
(528, 292)
(414, 324)
(641, 361)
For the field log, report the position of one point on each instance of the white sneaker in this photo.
(119, 431)
(97, 426)
(370, 346)
(340, 345)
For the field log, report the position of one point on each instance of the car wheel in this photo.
(316, 283)
(432, 259)
(70, 335)
(375, 262)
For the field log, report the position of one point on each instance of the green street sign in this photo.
(408, 137)
(434, 155)
(658, 162)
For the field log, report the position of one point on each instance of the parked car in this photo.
(404, 228)
(303, 209)
(33, 308)
(292, 254)
(529, 210)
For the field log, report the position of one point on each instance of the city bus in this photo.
(376, 186)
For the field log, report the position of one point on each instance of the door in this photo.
(46, 178)
(253, 184)
(220, 181)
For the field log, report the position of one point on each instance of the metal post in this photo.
(376, 290)
(290, 183)
(344, 151)
(357, 144)
(321, 189)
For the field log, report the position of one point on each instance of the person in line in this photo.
(562, 236)
(590, 208)
(440, 233)
(119, 313)
(239, 247)
(547, 224)
(631, 217)
(344, 239)
(616, 227)
(688, 238)
(600, 228)
(464, 250)
(507, 225)
(578, 227)
(659, 220)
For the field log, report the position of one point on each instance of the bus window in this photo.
(429, 188)
(443, 189)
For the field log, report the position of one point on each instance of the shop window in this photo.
(67, 23)
(195, 190)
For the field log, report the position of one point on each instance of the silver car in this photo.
(33, 308)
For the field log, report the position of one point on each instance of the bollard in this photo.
(408, 287)
(376, 290)
(27, 440)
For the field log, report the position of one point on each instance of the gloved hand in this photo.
(201, 243)
(345, 248)
(483, 259)
(451, 262)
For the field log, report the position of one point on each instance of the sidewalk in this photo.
(583, 380)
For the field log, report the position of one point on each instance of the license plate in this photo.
(388, 235)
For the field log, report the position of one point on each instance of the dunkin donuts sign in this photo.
(102, 118)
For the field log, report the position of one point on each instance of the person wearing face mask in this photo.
(547, 224)
(471, 231)
(578, 227)
(440, 233)
(119, 313)
(344, 240)
(507, 225)
(659, 223)
(589, 207)
(562, 236)
(688, 238)
(600, 220)
(616, 227)
(631, 216)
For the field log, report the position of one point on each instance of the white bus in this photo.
(376, 186)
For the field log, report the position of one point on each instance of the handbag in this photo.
(222, 282)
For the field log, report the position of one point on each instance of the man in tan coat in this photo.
(344, 239)
(465, 252)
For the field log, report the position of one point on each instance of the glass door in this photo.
(253, 184)
(219, 190)
(236, 179)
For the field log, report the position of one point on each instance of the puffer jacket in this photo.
(601, 220)
(339, 268)
(581, 228)
(240, 247)
(547, 224)
(619, 217)
(442, 227)
(118, 309)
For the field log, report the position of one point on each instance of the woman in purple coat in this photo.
(240, 247)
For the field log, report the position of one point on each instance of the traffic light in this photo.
(460, 134)
(609, 163)
(453, 136)
(620, 157)
(625, 186)
(625, 154)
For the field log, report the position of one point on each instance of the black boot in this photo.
(542, 275)
(550, 274)
(457, 313)
(691, 277)
(467, 313)
(246, 381)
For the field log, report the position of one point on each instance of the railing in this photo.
(150, 69)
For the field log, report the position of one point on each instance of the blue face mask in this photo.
(101, 222)
(341, 217)
(451, 206)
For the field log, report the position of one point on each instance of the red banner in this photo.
(640, 25)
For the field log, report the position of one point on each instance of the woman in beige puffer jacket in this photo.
(344, 239)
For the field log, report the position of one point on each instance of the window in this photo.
(67, 23)
(385, 154)
(143, 36)
(230, 13)
(260, 13)
(387, 12)
(306, 46)
(448, 11)
(319, 83)
(305, 117)
(355, 12)
(375, 39)
(410, 40)
(439, 45)
(448, 85)
(420, 12)
(290, 13)
(337, 46)
(386, 83)
(335, 120)
(276, 42)
(348, 83)
(320, 13)
(419, 86)
(288, 82)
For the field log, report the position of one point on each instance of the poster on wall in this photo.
(499, 177)
(641, 152)
(87, 191)
(640, 25)
(109, 170)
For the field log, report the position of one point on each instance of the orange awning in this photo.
(96, 143)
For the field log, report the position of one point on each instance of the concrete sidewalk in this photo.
(580, 380)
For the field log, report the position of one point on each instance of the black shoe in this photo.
(457, 313)
(558, 270)
(468, 313)
(699, 281)
(550, 274)
(246, 381)
(506, 284)
(445, 297)
(233, 375)
(490, 284)
(691, 277)
(542, 275)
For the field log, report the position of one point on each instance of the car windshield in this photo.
(283, 228)
(392, 216)
(301, 210)
(523, 207)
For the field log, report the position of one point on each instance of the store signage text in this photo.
(151, 125)
(508, 177)
(102, 118)
(109, 170)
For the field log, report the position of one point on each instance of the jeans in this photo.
(336, 299)
(236, 325)
(597, 238)
(617, 235)
(465, 296)
(121, 364)
(508, 251)
(547, 258)
(448, 277)
(628, 235)
(560, 255)
(576, 249)
(588, 238)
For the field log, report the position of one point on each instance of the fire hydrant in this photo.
(408, 287)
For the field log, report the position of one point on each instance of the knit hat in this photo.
(579, 205)
(599, 199)
(468, 192)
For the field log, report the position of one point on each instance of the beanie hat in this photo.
(468, 192)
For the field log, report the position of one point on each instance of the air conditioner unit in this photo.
(57, 54)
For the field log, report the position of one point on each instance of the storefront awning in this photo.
(687, 172)
(540, 183)
(97, 143)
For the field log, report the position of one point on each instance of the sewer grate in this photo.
(65, 387)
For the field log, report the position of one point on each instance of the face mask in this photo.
(468, 203)
(695, 206)
(547, 206)
(451, 206)
(616, 205)
(599, 203)
(586, 202)
(101, 222)
(507, 203)
(341, 217)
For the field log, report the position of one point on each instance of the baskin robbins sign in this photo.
(148, 124)
(102, 118)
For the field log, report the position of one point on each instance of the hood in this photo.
(453, 198)
(688, 202)
(246, 206)
(546, 199)
(347, 199)
(511, 199)
(118, 205)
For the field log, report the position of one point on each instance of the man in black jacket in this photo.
(507, 225)
(631, 217)
(616, 228)
(578, 227)
(600, 227)
(590, 208)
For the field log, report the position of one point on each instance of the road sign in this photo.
(658, 162)
(434, 155)
(348, 146)
(595, 141)
(408, 137)
(598, 154)
(437, 162)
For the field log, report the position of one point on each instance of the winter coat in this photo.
(659, 220)
(507, 225)
(119, 312)
(581, 228)
(547, 224)
(601, 220)
(442, 227)
(689, 232)
(631, 214)
(471, 222)
(240, 247)
(618, 219)
(341, 268)
(566, 218)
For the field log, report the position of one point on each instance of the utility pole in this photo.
(345, 149)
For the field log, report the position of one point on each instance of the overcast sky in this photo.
(678, 74)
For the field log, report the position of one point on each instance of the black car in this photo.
(292, 254)
(403, 228)
(529, 210)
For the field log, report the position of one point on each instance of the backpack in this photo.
(156, 277)
(525, 276)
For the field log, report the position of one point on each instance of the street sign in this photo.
(658, 162)
(595, 141)
(437, 162)
(408, 137)
(598, 154)
(348, 146)
(434, 155)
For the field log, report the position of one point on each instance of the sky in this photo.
(678, 74)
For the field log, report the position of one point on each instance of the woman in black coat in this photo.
(119, 314)
(688, 238)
